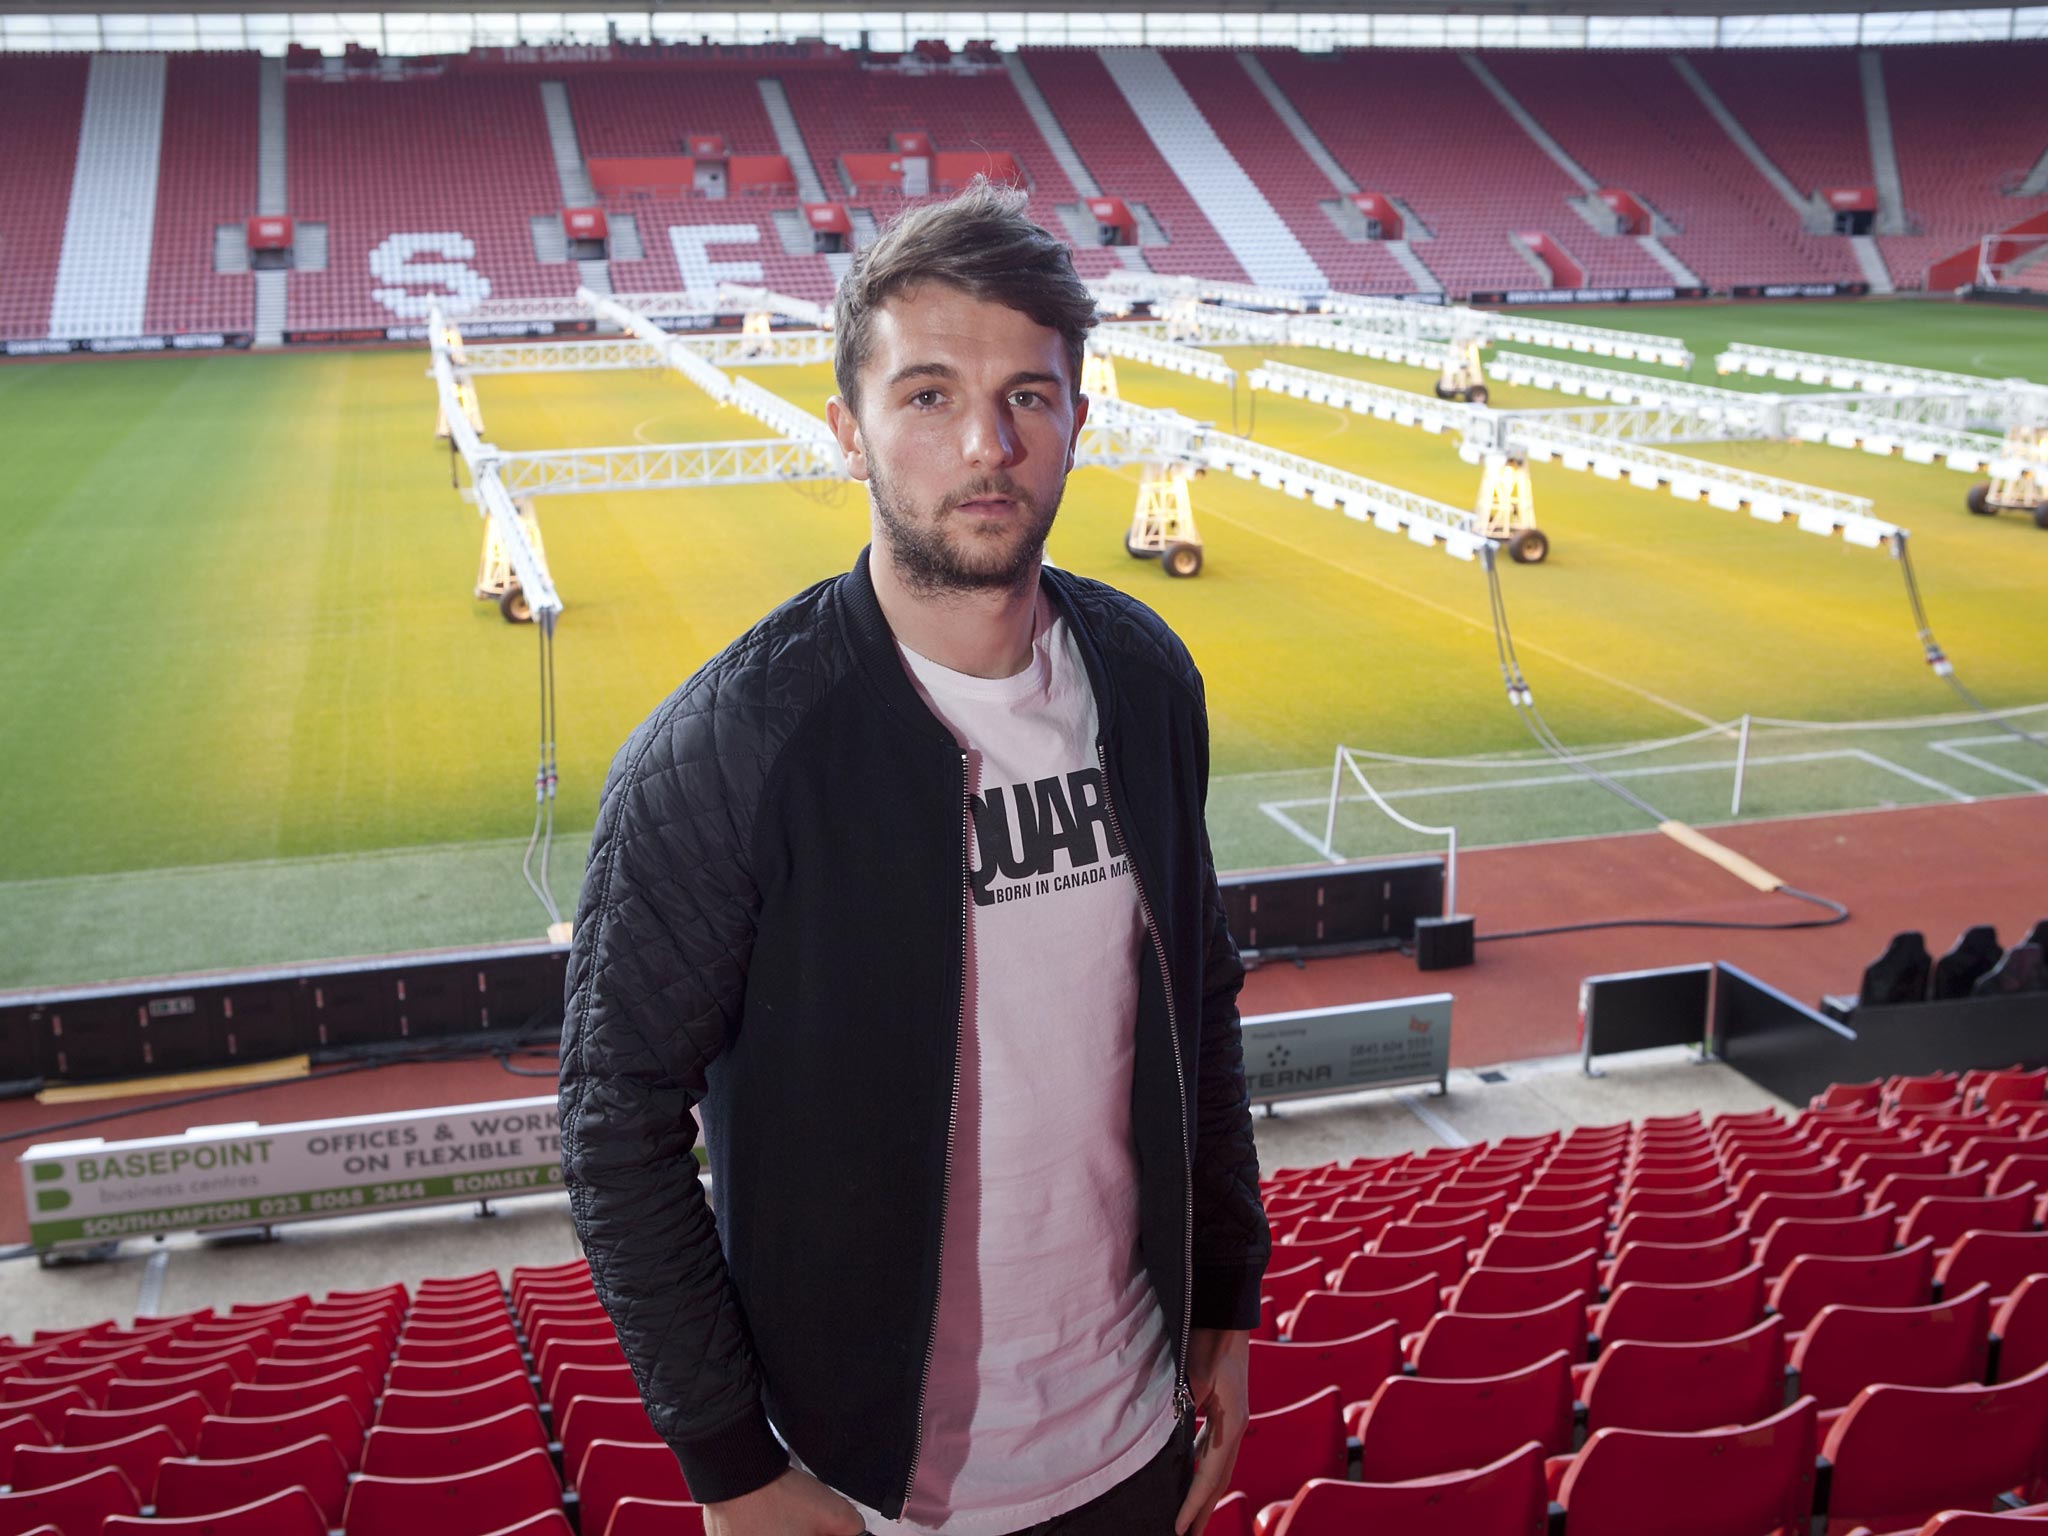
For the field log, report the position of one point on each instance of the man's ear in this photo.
(1080, 420)
(846, 429)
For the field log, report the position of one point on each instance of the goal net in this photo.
(2013, 261)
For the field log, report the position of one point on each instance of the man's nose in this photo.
(991, 437)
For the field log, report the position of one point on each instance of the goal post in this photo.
(2013, 261)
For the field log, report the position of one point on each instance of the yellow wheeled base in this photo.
(1462, 377)
(1507, 509)
(495, 578)
(1163, 526)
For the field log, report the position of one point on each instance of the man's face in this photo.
(966, 431)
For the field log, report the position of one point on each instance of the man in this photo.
(910, 885)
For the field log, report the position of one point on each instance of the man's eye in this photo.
(1029, 398)
(925, 397)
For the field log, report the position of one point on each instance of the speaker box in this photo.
(1442, 943)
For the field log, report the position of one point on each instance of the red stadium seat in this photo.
(49, 1409)
(1504, 1498)
(1466, 1344)
(96, 1426)
(1835, 1205)
(615, 1470)
(455, 1375)
(1538, 1215)
(1902, 1454)
(1282, 1450)
(1902, 1278)
(1538, 1250)
(1674, 1314)
(662, 1517)
(1390, 1271)
(2000, 1260)
(290, 1512)
(1325, 1315)
(392, 1452)
(1947, 1218)
(402, 1408)
(588, 1419)
(1679, 1263)
(476, 1503)
(370, 1359)
(551, 1358)
(1787, 1238)
(1685, 1388)
(257, 1400)
(188, 1486)
(1418, 1426)
(1487, 1289)
(137, 1456)
(1701, 1224)
(574, 1381)
(1280, 1374)
(1756, 1479)
(338, 1420)
(22, 1429)
(1846, 1349)
(76, 1508)
(2022, 1329)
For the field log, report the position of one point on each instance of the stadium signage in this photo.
(252, 1175)
(1316, 1051)
(1800, 291)
(192, 341)
(471, 331)
(1662, 295)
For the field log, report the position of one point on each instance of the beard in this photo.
(938, 552)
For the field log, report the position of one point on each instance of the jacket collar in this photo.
(874, 646)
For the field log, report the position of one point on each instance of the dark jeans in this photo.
(1143, 1504)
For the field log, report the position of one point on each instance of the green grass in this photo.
(243, 638)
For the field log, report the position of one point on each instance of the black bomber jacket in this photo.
(772, 921)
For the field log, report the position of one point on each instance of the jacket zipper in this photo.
(952, 1125)
(1183, 1398)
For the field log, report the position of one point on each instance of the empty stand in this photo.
(1113, 144)
(1291, 182)
(1630, 120)
(1961, 145)
(427, 187)
(42, 97)
(207, 178)
(1436, 139)
(631, 114)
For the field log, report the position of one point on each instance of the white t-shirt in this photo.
(1051, 1375)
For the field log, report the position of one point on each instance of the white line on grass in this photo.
(1277, 810)
(1298, 830)
(1955, 750)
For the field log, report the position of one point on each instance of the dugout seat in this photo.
(1974, 954)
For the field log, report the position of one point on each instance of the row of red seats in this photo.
(1540, 1286)
(370, 1412)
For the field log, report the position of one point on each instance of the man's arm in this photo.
(656, 977)
(1232, 1241)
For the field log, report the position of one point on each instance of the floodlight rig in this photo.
(1163, 524)
(1506, 513)
(1462, 378)
(2019, 478)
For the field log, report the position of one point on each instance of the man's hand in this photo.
(795, 1504)
(1217, 1361)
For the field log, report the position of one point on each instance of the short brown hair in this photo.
(980, 242)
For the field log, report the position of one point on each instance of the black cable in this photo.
(1522, 698)
(1838, 914)
(1936, 657)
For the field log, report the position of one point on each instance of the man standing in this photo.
(911, 887)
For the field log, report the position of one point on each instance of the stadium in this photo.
(1596, 457)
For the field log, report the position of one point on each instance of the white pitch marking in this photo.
(1955, 750)
(1298, 829)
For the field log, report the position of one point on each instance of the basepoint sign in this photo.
(1316, 1051)
(251, 1175)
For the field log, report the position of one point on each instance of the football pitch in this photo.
(253, 713)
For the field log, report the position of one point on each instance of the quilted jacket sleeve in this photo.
(656, 975)
(1232, 1240)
